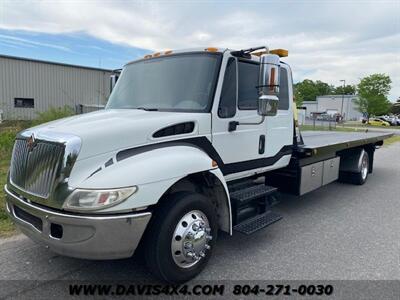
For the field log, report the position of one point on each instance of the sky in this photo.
(327, 40)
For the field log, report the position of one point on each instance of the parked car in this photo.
(391, 120)
(378, 122)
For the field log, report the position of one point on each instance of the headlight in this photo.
(97, 199)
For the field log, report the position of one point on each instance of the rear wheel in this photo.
(363, 174)
(181, 237)
(360, 177)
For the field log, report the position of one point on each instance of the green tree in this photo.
(395, 109)
(347, 90)
(308, 90)
(373, 91)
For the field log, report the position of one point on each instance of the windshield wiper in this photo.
(147, 108)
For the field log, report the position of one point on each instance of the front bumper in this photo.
(75, 235)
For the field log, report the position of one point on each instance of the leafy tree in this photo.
(308, 90)
(395, 109)
(323, 88)
(347, 90)
(373, 91)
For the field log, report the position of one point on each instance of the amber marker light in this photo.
(280, 52)
(211, 49)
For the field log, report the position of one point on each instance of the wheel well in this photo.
(209, 185)
(355, 152)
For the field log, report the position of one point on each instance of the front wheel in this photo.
(181, 237)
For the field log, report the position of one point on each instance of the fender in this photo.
(352, 163)
(150, 166)
(154, 172)
(224, 207)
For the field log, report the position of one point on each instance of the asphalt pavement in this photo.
(340, 231)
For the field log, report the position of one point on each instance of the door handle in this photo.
(232, 125)
(261, 144)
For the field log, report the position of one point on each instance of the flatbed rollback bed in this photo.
(326, 156)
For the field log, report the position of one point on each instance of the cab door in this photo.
(248, 148)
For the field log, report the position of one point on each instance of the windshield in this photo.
(182, 82)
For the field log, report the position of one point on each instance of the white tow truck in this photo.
(191, 142)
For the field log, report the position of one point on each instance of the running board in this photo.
(257, 222)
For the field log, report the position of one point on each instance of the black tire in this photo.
(360, 177)
(158, 254)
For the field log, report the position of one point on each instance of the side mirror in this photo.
(268, 85)
(268, 105)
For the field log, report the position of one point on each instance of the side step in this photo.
(257, 222)
(247, 194)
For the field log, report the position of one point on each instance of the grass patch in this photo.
(326, 128)
(392, 140)
(8, 131)
(54, 113)
(359, 124)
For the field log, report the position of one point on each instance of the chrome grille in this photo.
(35, 171)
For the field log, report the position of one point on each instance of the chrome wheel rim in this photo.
(190, 241)
(364, 167)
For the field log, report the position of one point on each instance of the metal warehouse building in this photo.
(29, 86)
(332, 104)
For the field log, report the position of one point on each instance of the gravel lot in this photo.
(337, 232)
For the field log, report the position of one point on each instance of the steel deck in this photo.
(317, 141)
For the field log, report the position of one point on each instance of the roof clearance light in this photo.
(156, 54)
(280, 52)
(259, 53)
(148, 56)
(211, 49)
(168, 52)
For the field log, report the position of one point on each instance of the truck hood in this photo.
(116, 129)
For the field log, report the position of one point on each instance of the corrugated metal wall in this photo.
(49, 85)
(335, 102)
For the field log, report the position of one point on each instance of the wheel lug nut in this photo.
(206, 246)
(188, 245)
(202, 254)
(208, 230)
(209, 237)
(195, 227)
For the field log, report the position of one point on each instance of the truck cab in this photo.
(184, 148)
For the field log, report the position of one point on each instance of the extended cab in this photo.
(191, 142)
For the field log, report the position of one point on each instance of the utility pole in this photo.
(344, 85)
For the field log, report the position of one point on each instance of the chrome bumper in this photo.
(82, 236)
